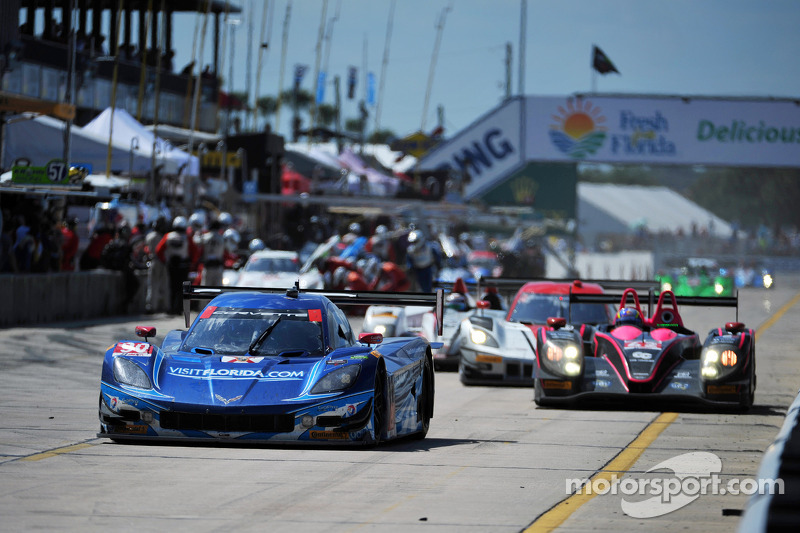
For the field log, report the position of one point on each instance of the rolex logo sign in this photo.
(524, 190)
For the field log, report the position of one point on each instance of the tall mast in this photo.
(384, 64)
(439, 30)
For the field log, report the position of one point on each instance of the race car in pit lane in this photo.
(270, 365)
(415, 320)
(646, 357)
(498, 348)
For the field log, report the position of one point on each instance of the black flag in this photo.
(601, 63)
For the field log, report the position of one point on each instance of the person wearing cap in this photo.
(176, 250)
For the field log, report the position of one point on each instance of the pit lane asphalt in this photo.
(492, 460)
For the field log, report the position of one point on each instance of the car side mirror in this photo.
(370, 338)
(145, 331)
(556, 322)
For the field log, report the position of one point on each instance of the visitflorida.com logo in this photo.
(673, 484)
(578, 130)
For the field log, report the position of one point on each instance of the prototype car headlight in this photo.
(338, 380)
(480, 337)
(562, 358)
(767, 280)
(666, 286)
(129, 373)
(719, 362)
(718, 287)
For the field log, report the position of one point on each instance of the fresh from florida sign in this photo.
(663, 130)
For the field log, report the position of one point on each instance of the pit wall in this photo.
(29, 299)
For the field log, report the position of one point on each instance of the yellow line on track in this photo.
(556, 516)
(777, 316)
(618, 466)
(57, 451)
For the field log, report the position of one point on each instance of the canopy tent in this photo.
(40, 139)
(128, 131)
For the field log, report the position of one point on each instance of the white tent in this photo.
(127, 130)
(40, 139)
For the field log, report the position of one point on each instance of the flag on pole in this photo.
(321, 87)
(601, 63)
(371, 88)
(299, 72)
(352, 74)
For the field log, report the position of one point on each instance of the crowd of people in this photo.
(369, 254)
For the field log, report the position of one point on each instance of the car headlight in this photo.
(719, 362)
(718, 287)
(767, 279)
(129, 373)
(480, 337)
(338, 380)
(666, 286)
(562, 358)
(380, 328)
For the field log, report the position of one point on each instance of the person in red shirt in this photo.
(391, 278)
(69, 244)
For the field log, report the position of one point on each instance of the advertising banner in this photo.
(488, 150)
(663, 130)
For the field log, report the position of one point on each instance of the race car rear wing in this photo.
(680, 301)
(512, 285)
(435, 299)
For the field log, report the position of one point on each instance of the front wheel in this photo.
(379, 405)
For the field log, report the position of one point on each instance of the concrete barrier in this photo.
(29, 299)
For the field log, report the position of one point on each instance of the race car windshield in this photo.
(537, 308)
(232, 331)
(272, 264)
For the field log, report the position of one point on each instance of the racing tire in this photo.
(425, 403)
(379, 405)
(747, 402)
(538, 395)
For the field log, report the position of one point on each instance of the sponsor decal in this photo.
(208, 311)
(643, 345)
(133, 349)
(337, 362)
(722, 389)
(683, 374)
(601, 372)
(329, 435)
(113, 403)
(240, 359)
(724, 339)
(228, 400)
(226, 373)
(136, 430)
(639, 375)
(351, 410)
(579, 129)
(315, 315)
(483, 358)
(642, 355)
(553, 384)
(679, 385)
(359, 357)
(602, 383)
(376, 354)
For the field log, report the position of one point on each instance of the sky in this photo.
(683, 47)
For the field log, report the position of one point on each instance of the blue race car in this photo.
(269, 365)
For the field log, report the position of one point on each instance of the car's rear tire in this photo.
(425, 402)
